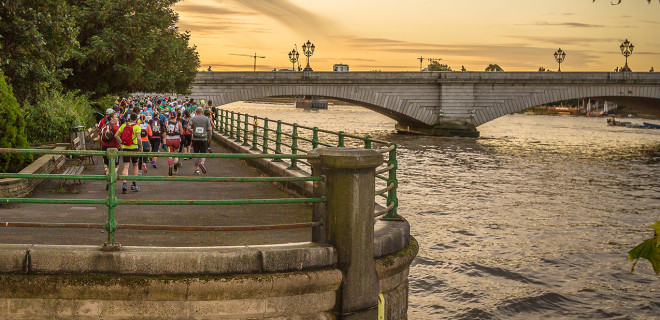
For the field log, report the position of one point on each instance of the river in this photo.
(532, 220)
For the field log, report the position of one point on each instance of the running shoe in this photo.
(144, 167)
(203, 167)
(197, 172)
(139, 172)
(176, 169)
(123, 189)
(170, 172)
(135, 188)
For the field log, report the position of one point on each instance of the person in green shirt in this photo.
(130, 141)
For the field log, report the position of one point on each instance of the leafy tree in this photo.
(129, 46)
(36, 38)
(494, 67)
(437, 66)
(12, 124)
(542, 69)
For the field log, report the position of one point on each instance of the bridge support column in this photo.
(442, 129)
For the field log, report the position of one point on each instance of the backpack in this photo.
(127, 135)
(155, 126)
(143, 131)
(200, 133)
(106, 133)
(172, 128)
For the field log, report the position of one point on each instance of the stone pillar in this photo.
(349, 225)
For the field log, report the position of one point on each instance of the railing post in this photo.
(221, 124)
(215, 119)
(226, 122)
(231, 125)
(245, 131)
(294, 147)
(238, 127)
(315, 138)
(278, 140)
(254, 135)
(264, 146)
(340, 139)
(391, 179)
(111, 224)
(349, 224)
(367, 142)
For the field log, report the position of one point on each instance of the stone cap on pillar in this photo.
(346, 158)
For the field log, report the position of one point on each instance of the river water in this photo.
(532, 220)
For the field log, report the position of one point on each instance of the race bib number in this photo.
(199, 130)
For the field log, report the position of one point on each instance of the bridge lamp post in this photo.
(559, 57)
(293, 57)
(308, 50)
(626, 50)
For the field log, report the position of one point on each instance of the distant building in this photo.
(340, 68)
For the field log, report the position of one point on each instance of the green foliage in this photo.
(50, 119)
(101, 104)
(12, 125)
(649, 250)
(437, 66)
(131, 46)
(36, 38)
(494, 67)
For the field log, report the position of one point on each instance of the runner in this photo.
(129, 137)
(207, 113)
(146, 133)
(186, 139)
(201, 128)
(108, 141)
(173, 140)
(157, 129)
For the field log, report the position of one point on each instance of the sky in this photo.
(391, 35)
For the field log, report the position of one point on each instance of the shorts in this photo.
(173, 143)
(200, 146)
(106, 161)
(131, 159)
(187, 140)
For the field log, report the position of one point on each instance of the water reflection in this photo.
(532, 220)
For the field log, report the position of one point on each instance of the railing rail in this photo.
(257, 133)
(111, 201)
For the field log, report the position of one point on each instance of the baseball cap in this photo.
(109, 111)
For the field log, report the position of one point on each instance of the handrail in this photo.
(257, 134)
(111, 202)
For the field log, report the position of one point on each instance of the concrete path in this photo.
(162, 215)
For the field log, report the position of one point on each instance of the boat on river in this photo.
(627, 124)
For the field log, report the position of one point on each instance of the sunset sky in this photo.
(389, 35)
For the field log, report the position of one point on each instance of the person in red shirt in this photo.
(108, 140)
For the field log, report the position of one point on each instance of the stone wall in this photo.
(19, 188)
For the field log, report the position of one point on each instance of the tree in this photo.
(12, 124)
(36, 38)
(129, 46)
(494, 67)
(437, 66)
(542, 69)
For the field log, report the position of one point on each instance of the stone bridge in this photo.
(436, 103)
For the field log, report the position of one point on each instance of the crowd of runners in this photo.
(156, 124)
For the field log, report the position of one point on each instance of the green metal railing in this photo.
(257, 133)
(111, 201)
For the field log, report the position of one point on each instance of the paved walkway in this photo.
(162, 215)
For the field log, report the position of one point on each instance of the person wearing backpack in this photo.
(173, 140)
(131, 140)
(200, 126)
(108, 140)
(145, 132)
(157, 130)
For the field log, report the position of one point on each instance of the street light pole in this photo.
(559, 57)
(293, 57)
(626, 50)
(308, 50)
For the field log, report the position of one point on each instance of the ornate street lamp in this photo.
(293, 57)
(308, 50)
(626, 50)
(559, 57)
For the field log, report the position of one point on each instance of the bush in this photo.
(12, 129)
(52, 118)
